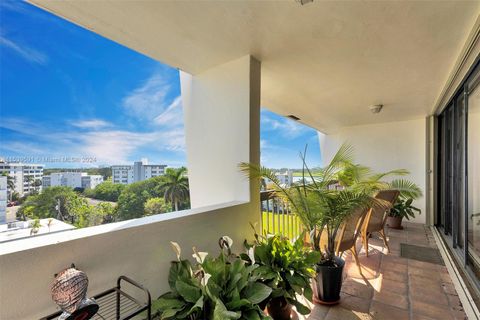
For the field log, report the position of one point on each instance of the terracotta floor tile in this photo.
(392, 299)
(395, 260)
(421, 317)
(424, 273)
(393, 286)
(380, 311)
(449, 288)
(423, 265)
(354, 303)
(454, 302)
(434, 311)
(339, 313)
(359, 289)
(393, 275)
(428, 294)
(385, 265)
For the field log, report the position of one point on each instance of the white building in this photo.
(72, 179)
(24, 175)
(140, 171)
(3, 199)
(285, 178)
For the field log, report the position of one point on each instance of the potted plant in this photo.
(322, 202)
(217, 288)
(403, 207)
(286, 268)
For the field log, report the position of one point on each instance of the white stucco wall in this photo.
(216, 106)
(384, 147)
(142, 253)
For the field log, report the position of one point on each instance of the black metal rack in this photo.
(116, 304)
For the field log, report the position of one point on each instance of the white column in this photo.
(221, 111)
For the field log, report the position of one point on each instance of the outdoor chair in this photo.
(347, 235)
(377, 216)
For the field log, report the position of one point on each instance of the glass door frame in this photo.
(452, 216)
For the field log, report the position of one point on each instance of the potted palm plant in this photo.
(322, 202)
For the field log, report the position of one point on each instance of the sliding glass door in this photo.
(458, 215)
(473, 169)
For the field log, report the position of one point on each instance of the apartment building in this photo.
(72, 179)
(3, 199)
(285, 178)
(24, 175)
(140, 171)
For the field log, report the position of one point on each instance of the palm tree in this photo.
(319, 204)
(175, 188)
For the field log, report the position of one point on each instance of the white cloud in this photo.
(24, 51)
(107, 144)
(287, 128)
(91, 124)
(148, 100)
(173, 114)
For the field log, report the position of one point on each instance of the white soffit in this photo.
(324, 62)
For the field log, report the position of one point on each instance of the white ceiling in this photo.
(324, 62)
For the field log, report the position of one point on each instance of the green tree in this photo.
(131, 203)
(55, 202)
(107, 191)
(176, 189)
(156, 206)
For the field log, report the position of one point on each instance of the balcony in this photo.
(395, 287)
(324, 63)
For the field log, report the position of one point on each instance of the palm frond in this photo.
(408, 189)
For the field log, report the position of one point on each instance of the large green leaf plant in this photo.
(285, 267)
(217, 288)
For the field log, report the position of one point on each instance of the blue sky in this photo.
(67, 93)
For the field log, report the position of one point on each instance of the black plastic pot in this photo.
(327, 283)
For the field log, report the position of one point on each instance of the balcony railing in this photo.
(277, 217)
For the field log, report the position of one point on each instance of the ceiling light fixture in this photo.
(376, 108)
(302, 2)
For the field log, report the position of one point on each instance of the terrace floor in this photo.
(393, 287)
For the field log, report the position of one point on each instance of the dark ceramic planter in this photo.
(327, 283)
(394, 222)
(279, 309)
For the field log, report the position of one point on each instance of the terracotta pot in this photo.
(279, 309)
(327, 284)
(394, 222)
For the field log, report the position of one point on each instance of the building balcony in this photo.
(323, 63)
(396, 284)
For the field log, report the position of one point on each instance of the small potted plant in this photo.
(287, 268)
(403, 207)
